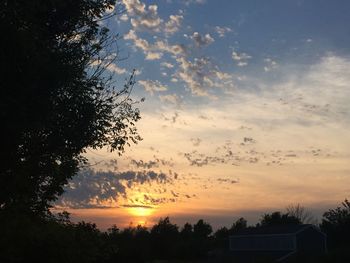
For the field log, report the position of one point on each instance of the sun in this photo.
(140, 211)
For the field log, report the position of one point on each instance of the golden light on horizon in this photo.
(141, 211)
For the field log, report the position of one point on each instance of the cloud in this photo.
(96, 189)
(150, 51)
(115, 69)
(173, 24)
(124, 17)
(146, 18)
(240, 58)
(167, 65)
(270, 64)
(201, 40)
(221, 31)
(143, 18)
(139, 42)
(155, 163)
(152, 86)
(196, 141)
(189, 2)
(200, 75)
(153, 55)
(155, 51)
(176, 49)
(170, 98)
(173, 118)
(245, 153)
(137, 206)
(227, 180)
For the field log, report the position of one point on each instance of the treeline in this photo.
(55, 238)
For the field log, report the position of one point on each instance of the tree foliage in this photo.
(56, 97)
(57, 239)
(336, 223)
(277, 218)
(300, 212)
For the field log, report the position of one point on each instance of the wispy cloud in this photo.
(222, 31)
(201, 40)
(241, 58)
(152, 86)
(143, 17)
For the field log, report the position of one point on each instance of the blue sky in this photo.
(247, 110)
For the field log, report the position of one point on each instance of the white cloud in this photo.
(124, 17)
(176, 49)
(240, 58)
(143, 18)
(150, 51)
(139, 42)
(270, 64)
(115, 69)
(173, 25)
(167, 65)
(152, 86)
(170, 98)
(153, 55)
(201, 75)
(200, 40)
(154, 51)
(189, 2)
(221, 31)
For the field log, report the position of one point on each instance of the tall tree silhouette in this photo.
(276, 218)
(240, 224)
(336, 224)
(164, 237)
(201, 233)
(300, 212)
(56, 98)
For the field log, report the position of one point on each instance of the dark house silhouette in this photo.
(283, 243)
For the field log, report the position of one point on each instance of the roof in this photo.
(272, 230)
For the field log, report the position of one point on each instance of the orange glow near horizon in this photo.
(140, 211)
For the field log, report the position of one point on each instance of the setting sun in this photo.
(140, 211)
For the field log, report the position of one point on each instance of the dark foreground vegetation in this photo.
(28, 238)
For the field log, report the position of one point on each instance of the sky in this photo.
(246, 111)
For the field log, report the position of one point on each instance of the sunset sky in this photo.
(246, 111)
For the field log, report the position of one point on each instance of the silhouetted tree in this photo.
(301, 213)
(240, 224)
(336, 224)
(187, 231)
(56, 98)
(202, 241)
(165, 236)
(27, 238)
(202, 229)
(186, 242)
(221, 237)
(276, 218)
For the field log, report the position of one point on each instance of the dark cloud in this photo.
(174, 194)
(138, 206)
(248, 140)
(171, 119)
(227, 180)
(155, 163)
(203, 117)
(144, 165)
(92, 188)
(196, 141)
(244, 152)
